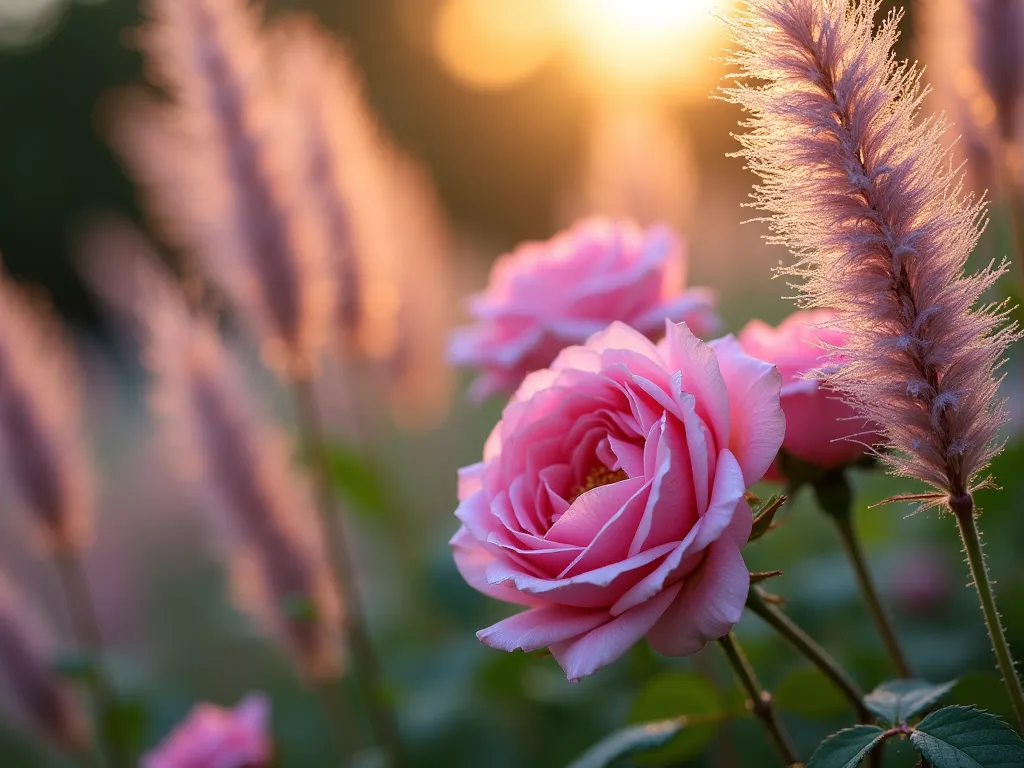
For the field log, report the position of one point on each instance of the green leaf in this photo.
(965, 737)
(765, 515)
(847, 748)
(357, 481)
(629, 741)
(897, 700)
(674, 694)
(809, 693)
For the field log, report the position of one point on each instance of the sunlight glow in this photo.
(661, 44)
(491, 44)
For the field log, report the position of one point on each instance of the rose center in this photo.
(597, 477)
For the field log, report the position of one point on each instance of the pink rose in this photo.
(817, 420)
(212, 737)
(610, 497)
(545, 296)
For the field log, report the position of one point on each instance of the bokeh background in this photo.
(527, 113)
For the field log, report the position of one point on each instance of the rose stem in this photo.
(963, 508)
(367, 670)
(817, 655)
(85, 625)
(855, 553)
(760, 699)
(835, 497)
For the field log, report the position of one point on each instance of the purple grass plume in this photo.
(43, 456)
(862, 192)
(39, 697)
(212, 159)
(337, 148)
(278, 574)
(379, 215)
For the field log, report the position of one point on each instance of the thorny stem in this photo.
(963, 508)
(85, 625)
(814, 653)
(367, 670)
(855, 553)
(760, 699)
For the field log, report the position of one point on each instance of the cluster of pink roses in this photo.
(610, 499)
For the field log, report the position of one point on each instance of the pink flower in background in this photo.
(817, 420)
(212, 737)
(547, 295)
(610, 497)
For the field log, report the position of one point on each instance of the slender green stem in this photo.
(817, 655)
(963, 508)
(336, 706)
(366, 667)
(85, 625)
(760, 699)
(855, 553)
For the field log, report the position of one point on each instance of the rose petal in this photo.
(541, 627)
(701, 377)
(758, 425)
(728, 511)
(709, 603)
(472, 560)
(589, 513)
(670, 511)
(600, 587)
(601, 646)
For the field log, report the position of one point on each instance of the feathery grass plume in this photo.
(379, 216)
(38, 695)
(863, 194)
(42, 452)
(336, 145)
(278, 571)
(213, 161)
(245, 465)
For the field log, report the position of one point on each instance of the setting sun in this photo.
(644, 43)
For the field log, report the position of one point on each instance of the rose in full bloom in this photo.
(817, 419)
(548, 295)
(212, 737)
(610, 496)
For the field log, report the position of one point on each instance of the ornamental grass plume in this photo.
(42, 455)
(278, 571)
(212, 158)
(379, 216)
(862, 192)
(280, 575)
(39, 696)
(336, 145)
(244, 464)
